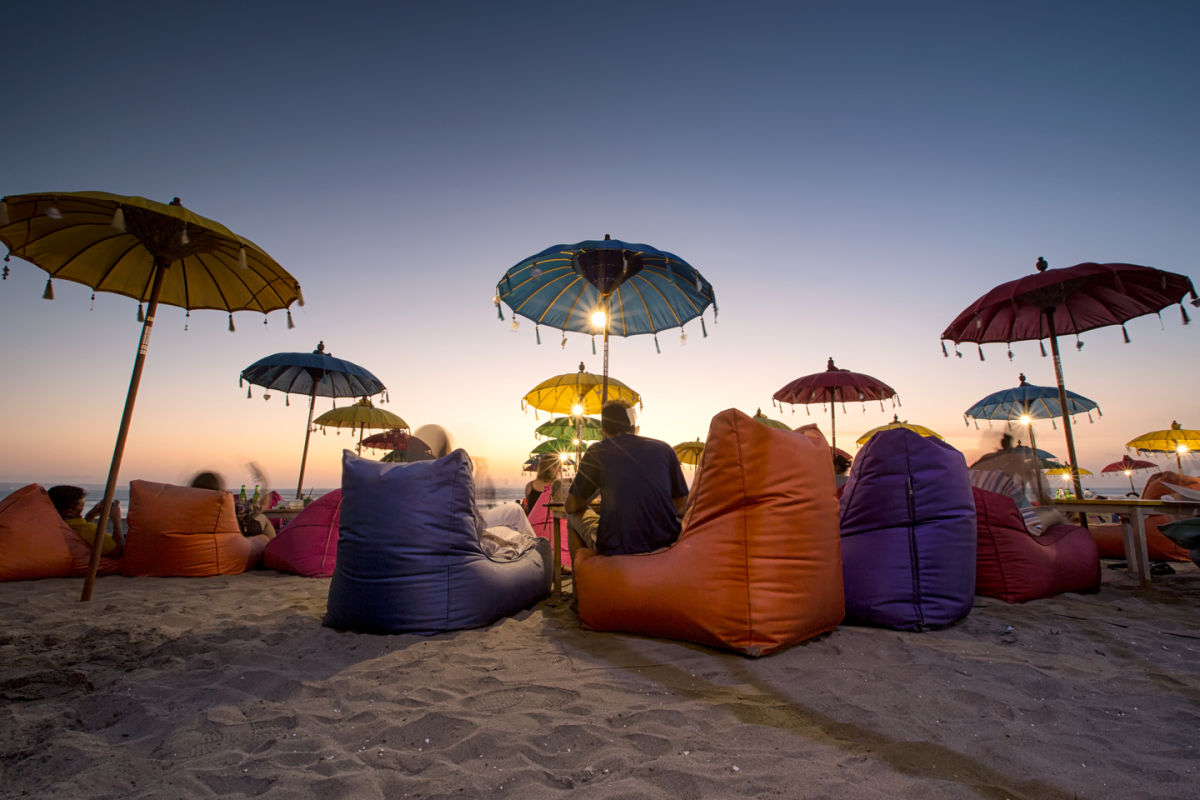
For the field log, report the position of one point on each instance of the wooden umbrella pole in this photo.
(307, 433)
(1037, 467)
(110, 488)
(1066, 417)
(832, 420)
(1131, 483)
(604, 388)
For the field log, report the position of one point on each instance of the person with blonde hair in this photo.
(548, 469)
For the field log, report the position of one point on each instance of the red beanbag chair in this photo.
(181, 531)
(308, 544)
(1111, 539)
(1015, 566)
(758, 564)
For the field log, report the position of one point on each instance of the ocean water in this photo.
(485, 496)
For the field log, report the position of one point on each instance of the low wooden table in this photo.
(1132, 514)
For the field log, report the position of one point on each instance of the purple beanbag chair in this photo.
(908, 533)
(308, 544)
(409, 558)
(1015, 566)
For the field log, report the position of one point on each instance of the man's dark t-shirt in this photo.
(638, 479)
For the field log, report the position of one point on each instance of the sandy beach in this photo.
(230, 686)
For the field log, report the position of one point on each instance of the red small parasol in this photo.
(1129, 466)
(834, 385)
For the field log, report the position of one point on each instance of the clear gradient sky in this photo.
(848, 175)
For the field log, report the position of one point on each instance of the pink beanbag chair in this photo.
(308, 544)
(181, 531)
(1015, 566)
(541, 520)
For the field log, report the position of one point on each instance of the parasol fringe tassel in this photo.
(1010, 356)
(299, 296)
(657, 349)
(499, 309)
(231, 328)
(682, 337)
(1042, 347)
(242, 258)
(1125, 333)
(240, 383)
(285, 400)
(1053, 423)
(141, 314)
(3, 213)
(944, 353)
(593, 345)
(515, 324)
(703, 330)
(186, 317)
(981, 358)
(289, 319)
(118, 220)
(1078, 343)
(4, 274)
(92, 303)
(183, 237)
(247, 392)
(537, 334)
(1183, 313)
(563, 344)
(957, 352)
(48, 293)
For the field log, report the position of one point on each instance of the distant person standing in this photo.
(641, 487)
(70, 500)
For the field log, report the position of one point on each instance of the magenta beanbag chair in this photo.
(1015, 566)
(308, 544)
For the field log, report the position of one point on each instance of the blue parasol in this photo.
(1026, 402)
(315, 373)
(638, 288)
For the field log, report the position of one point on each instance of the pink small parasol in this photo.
(1129, 466)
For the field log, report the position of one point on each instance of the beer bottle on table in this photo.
(257, 496)
(242, 495)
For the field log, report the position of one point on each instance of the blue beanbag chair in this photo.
(908, 533)
(409, 559)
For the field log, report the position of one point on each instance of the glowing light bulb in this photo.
(577, 410)
(598, 319)
(575, 442)
(1183, 448)
(1026, 419)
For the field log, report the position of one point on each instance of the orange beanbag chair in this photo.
(36, 543)
(758, 564)
(1111, 540)
(181, 531)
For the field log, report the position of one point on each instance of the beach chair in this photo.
(756, 567)
(409, 558)
(908, 533)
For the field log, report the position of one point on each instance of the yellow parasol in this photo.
(689, 452)
(152, 252)
(770, 423)
(1176, 439)
(897, 423)
(577, 393)
(362, 415)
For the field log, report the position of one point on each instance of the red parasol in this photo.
(1128, 466)
(835, 385)
(1053, 303)
(394, 439)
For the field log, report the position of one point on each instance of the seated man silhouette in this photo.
(641, 487)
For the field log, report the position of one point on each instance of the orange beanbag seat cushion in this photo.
(178, 530)
(32, 544)
(757, 566)
(1110, 538)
